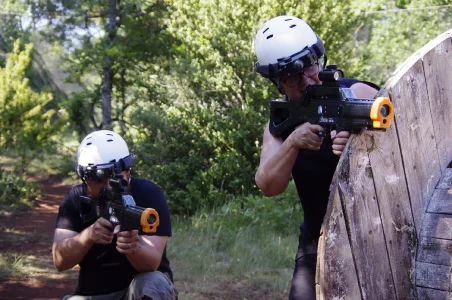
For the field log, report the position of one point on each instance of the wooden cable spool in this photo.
(387, 233)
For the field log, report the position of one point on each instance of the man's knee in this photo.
(154, 285)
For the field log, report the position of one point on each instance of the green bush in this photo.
(199, 156)
(16, 191)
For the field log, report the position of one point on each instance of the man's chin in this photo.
(295, 99)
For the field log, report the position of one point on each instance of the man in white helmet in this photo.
(114, 264)
(291, 55)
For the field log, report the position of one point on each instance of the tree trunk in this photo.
(108, 67)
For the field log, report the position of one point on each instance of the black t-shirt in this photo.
(312, 174)
(104, 270)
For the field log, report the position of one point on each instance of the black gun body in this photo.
(326, 107)
(128, 216)
(120, 209)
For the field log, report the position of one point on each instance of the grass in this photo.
(218, 256)
(213, 255)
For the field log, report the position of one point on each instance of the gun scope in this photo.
(119, 183)
(330, 75)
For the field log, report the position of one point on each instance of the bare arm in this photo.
(362, 90)
(143, 252)
(149, 254)
(69, 247)
(278, 157)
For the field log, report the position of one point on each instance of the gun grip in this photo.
(149, 220)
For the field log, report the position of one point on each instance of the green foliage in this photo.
(16, 191)
(197, 155)
(185, 93)
(205, 143)
(389, 34)
(27, 126)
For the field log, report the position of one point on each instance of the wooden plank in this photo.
(437, 226)
(432, 276)
(435, 251)
(365, 228)
(446, 180)
(431, 294)
(441, 202)
(437, 66)
(336, 274)
(415, 131)
(395, 208)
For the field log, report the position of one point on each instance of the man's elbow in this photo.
(269, 190)
(59, 263)
(151, 267)
(60, 266)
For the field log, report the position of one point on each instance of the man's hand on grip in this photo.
(101, 232)
(339, 141)
(128, 241)
(306, 136)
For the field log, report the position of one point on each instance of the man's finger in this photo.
(105, 223)
(340, 141)
(128, 233)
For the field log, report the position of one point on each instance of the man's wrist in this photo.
(85, 237)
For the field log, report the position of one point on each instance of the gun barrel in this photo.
(135, 217)
(357, 108)
(149, 220)
(382, 112)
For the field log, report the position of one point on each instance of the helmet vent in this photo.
(292, 26)
(266, 30)
(288, 20)
(110, 140)
(270, 36)
(88, 144)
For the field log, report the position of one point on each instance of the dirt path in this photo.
(27, 237)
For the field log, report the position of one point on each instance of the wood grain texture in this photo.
(364, 225)
(433, 276)
(437, 65)
(393, 192)
(430, 294)
(395, 209)
(437, 226)
(336, 274)
(441, 202)
(446, 180)
(416, 138)
(435, 251)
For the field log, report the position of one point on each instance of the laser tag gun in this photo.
(331, 106)
(119, 207)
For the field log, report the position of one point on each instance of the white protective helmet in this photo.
(286, 45)
(103, 153)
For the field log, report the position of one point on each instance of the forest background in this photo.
(176, 79)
